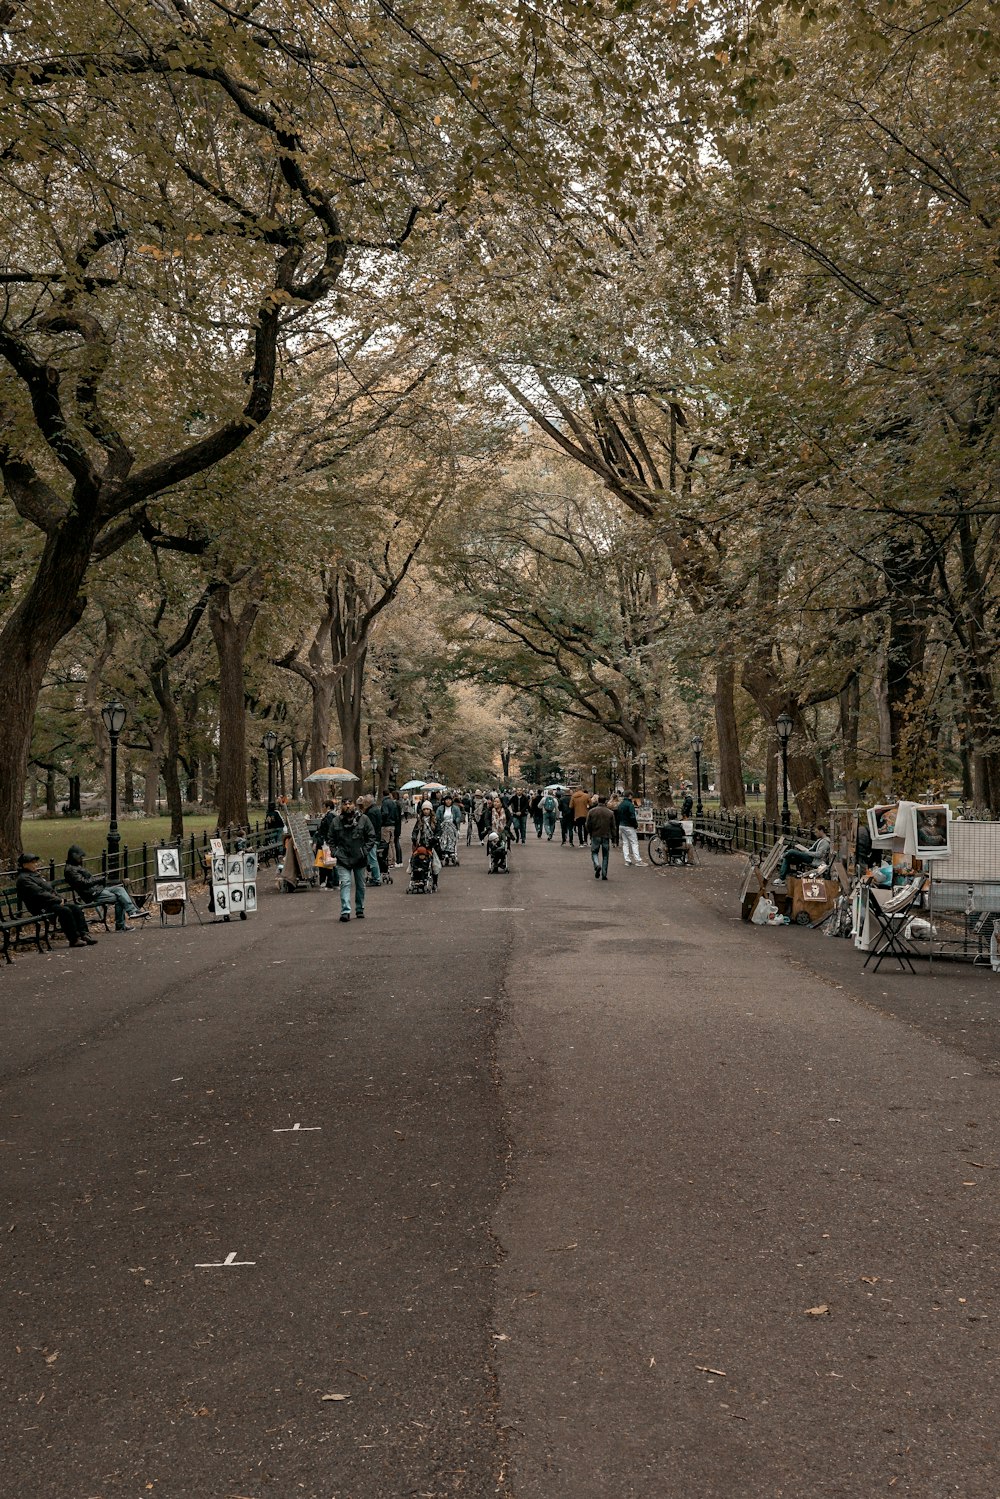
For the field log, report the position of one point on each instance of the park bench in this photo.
(16, 922)
(711, 839)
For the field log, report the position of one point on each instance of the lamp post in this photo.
(783, 729)
(374, 760)
(114, 715)
(698, 744)
(614, 773)
(395, 772)
(593, 779)
(270, 743)
(643, 762)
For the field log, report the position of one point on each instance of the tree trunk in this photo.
(850, 719)
(231, 633)
(48, 611)
(50, 792)
(805, 774)
(347, 700)
(151, 780)
(771, 788)
(731, 790)
(159, 677)
(321, 709)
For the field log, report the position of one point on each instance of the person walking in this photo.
(94, 888)
(580, 804)
(392, 818)
(600, 828)
(566, 818)
(327, 872)
(40, 898)
(520, 807)
(373, 811)
(351, 838)
(550, 811)
(535, 808)
(426, 834)
(628, 830)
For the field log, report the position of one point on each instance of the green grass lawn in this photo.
(50, 837)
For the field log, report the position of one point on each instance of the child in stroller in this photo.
(496, 851)
(422, 880)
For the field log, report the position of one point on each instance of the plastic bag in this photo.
(763, 911)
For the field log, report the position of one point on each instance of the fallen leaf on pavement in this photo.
(817, 1311)
(335, 1397)
(870, 1280)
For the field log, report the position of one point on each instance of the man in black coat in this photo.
(351, 838)
(41, 899)
(392, 818)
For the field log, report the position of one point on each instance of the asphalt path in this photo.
(596, 1191)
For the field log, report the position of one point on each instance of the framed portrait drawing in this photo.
(170, 890)
(168, 864)
(882, 821)
(933, 831)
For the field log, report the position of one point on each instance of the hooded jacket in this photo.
(351, 842)
(82, 883)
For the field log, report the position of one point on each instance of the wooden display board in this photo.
(297, 826)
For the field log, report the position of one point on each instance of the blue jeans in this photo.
(550, 824)
(520, 827)
(373, 868)
(600, 849)
(345, 878)
(123, 903)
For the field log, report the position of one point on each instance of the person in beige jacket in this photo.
(579, 804)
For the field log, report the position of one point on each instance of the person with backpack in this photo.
(550, 811)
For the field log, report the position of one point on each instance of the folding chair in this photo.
(891, 920)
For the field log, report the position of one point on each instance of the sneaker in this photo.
(360, 915)
(597, 874)
(603, 876)
(89, 941)
(78, 942)
(345, 915)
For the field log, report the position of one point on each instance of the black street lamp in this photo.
(270, 743)
(114, 715)
(614, 772)
(593, 779)
(698, 744)
(395, 772)
(643, 762)
(783, 728)
(374, 761)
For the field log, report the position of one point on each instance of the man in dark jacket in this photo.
(628, 829)
(40, 898)
(373, 811)
(392, 818)
(93, 889)
(566, 818)
(520, 806)
(600, 830)
(351, 838)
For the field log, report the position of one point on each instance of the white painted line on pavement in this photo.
(227, 1264)
(501, 908)
(291, 1128)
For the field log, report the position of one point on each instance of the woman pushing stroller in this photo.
(425, 860)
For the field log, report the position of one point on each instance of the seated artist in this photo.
(800, 858)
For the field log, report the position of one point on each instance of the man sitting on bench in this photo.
(41, 899)
(93, 889)
(799, 858)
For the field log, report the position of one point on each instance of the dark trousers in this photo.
(568, 825)
(599, 850)
(73, 921)
(519, 826)
(581, 829)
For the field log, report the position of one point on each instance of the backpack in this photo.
(549, 804)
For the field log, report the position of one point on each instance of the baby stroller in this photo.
(449, 842)
(422, 881)
(496, 850)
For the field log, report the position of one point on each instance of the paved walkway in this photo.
(577, 1167)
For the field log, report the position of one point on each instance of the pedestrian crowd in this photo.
(358, 840)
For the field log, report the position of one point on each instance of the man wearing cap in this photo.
(40, 898)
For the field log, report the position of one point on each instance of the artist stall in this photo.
(891, 899)
(964, 894)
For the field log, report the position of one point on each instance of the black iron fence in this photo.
(137, 865)
(754, 834)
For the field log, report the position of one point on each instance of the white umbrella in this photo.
(411, 786)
